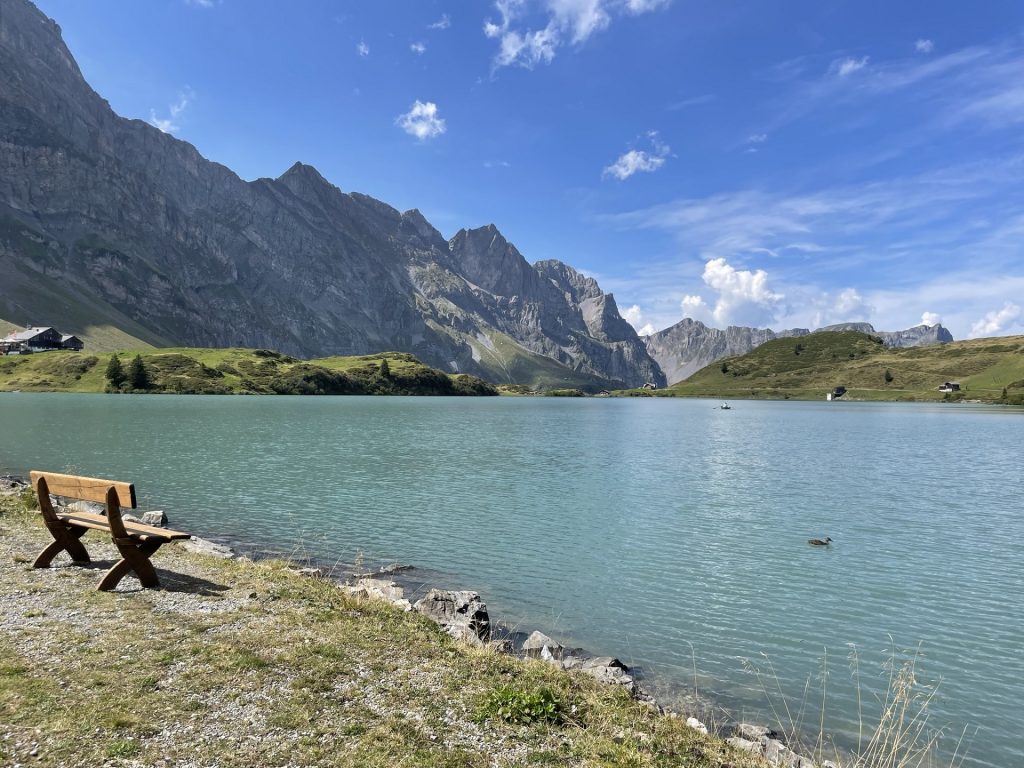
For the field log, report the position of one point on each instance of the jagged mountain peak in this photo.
(179, 249)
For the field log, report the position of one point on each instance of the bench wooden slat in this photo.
(87, 488)
(100, 523)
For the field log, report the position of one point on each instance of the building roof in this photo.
(68, 337)
(26, 335)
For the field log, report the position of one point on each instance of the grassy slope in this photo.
(983, 367)
(237, 663)
(227, 371)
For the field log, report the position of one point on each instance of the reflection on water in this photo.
(631, 527)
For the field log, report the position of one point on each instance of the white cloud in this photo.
(569, 22)
(924, 46)
(847, 306)
(363, 49)
(443, 23)
(170, 124)
(200, 4)
(418, 48)
(422, 121)
(693, 306)
(930, 318)
(744, 297)
(640, 160)
(847, 66)
(757, 138)
(996, 321)
(497, 164)
(643, 6)
(634, 317)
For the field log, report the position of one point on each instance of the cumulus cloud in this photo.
(996, 321)
(634, 317)
(819, 308)
(569, 22)
(640, 160)
(924, 46)
(849, 65)
(930, 318)
(693, 306)
(363, 49)
(422, 121)
(743, 295)
(418, 48)
(443, 23)
(175, 111)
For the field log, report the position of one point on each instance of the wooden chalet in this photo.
(38, 339)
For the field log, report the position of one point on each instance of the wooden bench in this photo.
(135, 541)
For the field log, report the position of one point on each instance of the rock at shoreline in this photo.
(463, 615)
(206, 547)
(757, 733)
(697, 725)
(745, 745)
(380, 589)
(535, 644)
(156, 518)
(11, 486)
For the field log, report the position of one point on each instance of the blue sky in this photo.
(760, 162)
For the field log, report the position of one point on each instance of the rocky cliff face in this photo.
(688, 346)
(918, 336)
(104, 219)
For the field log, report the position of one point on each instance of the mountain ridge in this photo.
(688, 346)
(136, 228)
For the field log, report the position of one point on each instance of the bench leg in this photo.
(64, 538)
(134, 557)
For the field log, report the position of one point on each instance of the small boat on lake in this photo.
(726, 407)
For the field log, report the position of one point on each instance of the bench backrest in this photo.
(86, 488)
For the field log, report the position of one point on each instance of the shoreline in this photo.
(391, 584)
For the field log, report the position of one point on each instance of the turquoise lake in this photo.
(669, 533)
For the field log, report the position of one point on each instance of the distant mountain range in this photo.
(688, 346)
(109, 222)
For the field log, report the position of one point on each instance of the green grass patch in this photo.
(810, 366)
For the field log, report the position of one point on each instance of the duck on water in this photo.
(820, 542)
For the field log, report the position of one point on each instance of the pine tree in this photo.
(385, 369)
(115, 372)
(138, 376)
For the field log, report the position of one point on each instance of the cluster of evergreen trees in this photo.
(136, 378)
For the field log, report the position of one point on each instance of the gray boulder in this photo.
(381, 589)
(535, 644)
(752, 732)
(463, 615)
(155, 518)
(206, 547)
(745, 745)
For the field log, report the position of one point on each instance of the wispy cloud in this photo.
(175, 110)
(443, 23)
(201, 3)
(846, 67)
(924, 46)
(362, 48)
(422, 121)
(645, 160)
(418, 48)
(693, 101)
(569, 22)
(497, 164)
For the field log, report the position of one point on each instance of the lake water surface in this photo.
(669, 533)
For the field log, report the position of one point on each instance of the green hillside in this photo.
(990, 370)
(238, 371)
